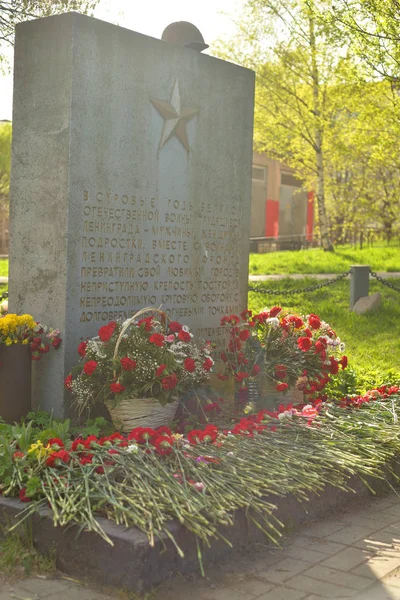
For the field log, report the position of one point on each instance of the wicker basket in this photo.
(139, 412)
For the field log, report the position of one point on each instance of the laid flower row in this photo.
(202, 477)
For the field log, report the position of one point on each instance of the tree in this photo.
(15, 11)
(5, 161)
(297, 64)
(364, 161)
(373, 27)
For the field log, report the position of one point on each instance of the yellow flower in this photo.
(40, 450)
(8, 341)
(24, 342)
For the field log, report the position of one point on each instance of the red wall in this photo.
(272, 218)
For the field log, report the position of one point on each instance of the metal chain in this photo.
(384, 282)
(310, 288)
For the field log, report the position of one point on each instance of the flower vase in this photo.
(15, 382)
(270, 398)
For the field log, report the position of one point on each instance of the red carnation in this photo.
(344, 362)
(209, 435)
(334, 366)
(161, 370)
(241, 375)
(56, 342)
(148, 321)
(76, 443)
(163, 445)
(207, 364)
(68, 381)
(117, 388)
(62, 455)
(255, 370)
(175, 327)
(157, 339)
(194, 436)
(314, 321)
(304, 343)
(169, 382)
(23, 497)
(244, 334)
(164, 430)
(280, 371)
(128, 364)
(184, 336)
(145, 435)
(105, 332)
(82, 348)
(90, 367)
(297, 321)
(189, 365)
(281, 387)
(275, 310)
(56, 442)
(246, 314)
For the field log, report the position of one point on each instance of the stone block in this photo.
(130, 184)
(367, 304)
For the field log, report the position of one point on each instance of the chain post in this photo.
(359, 283)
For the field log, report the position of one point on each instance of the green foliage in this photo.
(5, 157)
(17, 552)
(315, 260)
(3, 267)
(372, 27)
(98, 427)
(297, 66)
(319, 110)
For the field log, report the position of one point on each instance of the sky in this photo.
(214, 18)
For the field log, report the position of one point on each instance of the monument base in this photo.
(133, 565)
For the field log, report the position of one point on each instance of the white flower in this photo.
(342, 346)
(132, 449)
(284, 415)
(273, 321)
(185, 328)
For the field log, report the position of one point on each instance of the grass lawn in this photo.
(372, 340)
(315, 260)
(3, 267)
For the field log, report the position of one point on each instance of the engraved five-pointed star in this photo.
(175, 117)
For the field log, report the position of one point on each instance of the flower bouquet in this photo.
(22, 339)
(139, 369)
(284, 351)
(24, 330)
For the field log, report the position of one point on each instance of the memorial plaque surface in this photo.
(131, 182)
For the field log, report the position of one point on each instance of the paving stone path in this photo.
(352, 555)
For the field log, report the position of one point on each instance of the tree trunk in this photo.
(318, 135)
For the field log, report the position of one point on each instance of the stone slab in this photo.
(368, 304)
(133, 565)
(130, 184)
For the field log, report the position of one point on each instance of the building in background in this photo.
(282, 212)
